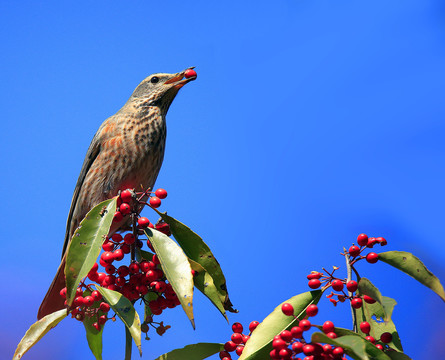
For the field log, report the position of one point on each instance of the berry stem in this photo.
(349, 272)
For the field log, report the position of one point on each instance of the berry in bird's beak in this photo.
(190, 73)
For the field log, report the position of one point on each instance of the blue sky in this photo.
(310, 122)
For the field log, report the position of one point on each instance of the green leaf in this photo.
(412, 266)
(149, 297)
(94, 337)
(37, 331)
(86, 244)
(260, 342)
(176, 268)
(354, 345)
(366, 287)
(197, 250)
(395, 355)
(374, 314)
(193, 352)
(204, 283)
(126, 312)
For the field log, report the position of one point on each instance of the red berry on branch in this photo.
(379, 346)
(229, 346)
(314, 283)
(190, 73)
(285, 353)
(314, 275)
(365, 327)
(368, 299)
(362, 239)
(287, 309)
(297, 332)
(155, 202)
(239, 350)
(237, 328)
(297, 347)
(143, 222)
(78, 301)
(96, 326)
(108, 246)
(352, 285)
(331, 335)
(161, 193)
(328, 327)
(372, 258)
(102, 319)
(125, 248)
(110, 269)
(337, 284)
(63, 293)
(354, 251)
(312, 310)
(327, 349)
(382, 241)
(370, 339)
(305, 324)
(386, 337)
(274, 354)
(356, 303)
(338, 351)
(308, 349)
(253, 325)
(118, 217)
(286, 335)
(104, 307)
(107, 257)
(117, 238)
(223, 354)
(125, 209)
(371, 242)
(79, 291)
(123, 270)
(97, 296)
(88, 300)
(129, 238)
(118, 254)
(279, 343)
(237, 338)
(155, 260)
(126, 196)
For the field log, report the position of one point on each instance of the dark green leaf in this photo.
(365, 287)
(412, 266)
(260, 342)
(197, 250)
(176, 268)
(193, 352)
(86, 244)
(37, 331)
(374, 314)
(204, 282)
(126, 312)
(395, 355)
(354, 345)
(94, 337)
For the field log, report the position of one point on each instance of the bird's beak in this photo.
(178, 81)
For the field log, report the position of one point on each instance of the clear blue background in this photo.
(310, 122)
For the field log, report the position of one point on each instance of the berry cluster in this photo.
(237, 340)
(137, 279)
(317, 279)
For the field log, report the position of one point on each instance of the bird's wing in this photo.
(92, 153)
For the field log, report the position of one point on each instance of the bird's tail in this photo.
(53, 301)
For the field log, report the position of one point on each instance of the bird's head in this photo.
(160, 89)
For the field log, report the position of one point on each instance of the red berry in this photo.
(110, 269)
(190, 73)
(237, 328)
(331, 335)
(285, 353)
(372, 258)
(108, 246)
(356, 303)
(161, 193)
(134, 268)
(279, 343)
(371, 242)
(286, 335)
(97, 296)
(223, 354)
(382, 241)
(253, 325)
(126, 196)
(143, 222)
(386, 337)
(118, 217)
(125, 248)
(308, 349)
(155, 259)
(96, 326)
(362, 239)
(297, 332)
(125, 209)
(63, 293)
(314, 283)
(338, 351)
(328, 327)
(379, 346)
(239, 350)
(237, 338)
(327, 349)
(118, 254)
(155, 202)
(287, 309)
(337, 284)
(312, 310)
(117, 238)
(102, 319)
(368, 299)
(123, 270)
(352, 285)
(129, 238)
(354, 251)
(297, 347)
(79, 301)
(305, 325)
(104, 307)
(88, 300)
(314, 275)
(370, 339)
(94, 268)
(274, 354)
(229, 346)
(365, 327)
(107, 257)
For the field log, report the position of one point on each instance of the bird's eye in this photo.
(154, 80)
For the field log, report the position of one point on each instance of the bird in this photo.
(125, 153)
